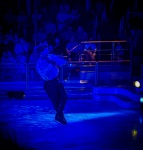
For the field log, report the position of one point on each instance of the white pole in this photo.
(28, 5)
(88, 4)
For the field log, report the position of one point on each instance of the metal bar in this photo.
(96, 74)
(142, 72)
(77, 62)
(103, 41)
(35, 21)
(131, 59)
(113, 48)
(61, 74)
(27, 71)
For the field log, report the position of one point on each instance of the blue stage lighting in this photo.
(141, 100)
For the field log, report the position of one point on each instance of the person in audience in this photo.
(40, 37)
(21, 20)
(16, 37)
(67, 34)
(119, 52)
(73, 49)
(36, 17)
(26, 33)
(21, 50)
(58, 46)
(21, 54)
(1, 34)
(74, 17)
(90, 50)
(6, 45)
(51, 48)
(49, 26)
(10, 35)
(81, 35)
(62, 18)
(7, 57)
(52, 35)
(9, 18)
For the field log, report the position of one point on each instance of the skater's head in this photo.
(45, 51)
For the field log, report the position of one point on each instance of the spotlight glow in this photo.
(141, 99)
(134, 133)
(83, 81)
(44, 120)
(137, 84)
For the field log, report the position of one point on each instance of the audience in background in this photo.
(61, 25)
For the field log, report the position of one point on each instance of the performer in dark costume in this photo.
(48, 68)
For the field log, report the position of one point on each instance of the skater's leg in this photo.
(52, 92)
(63, 99)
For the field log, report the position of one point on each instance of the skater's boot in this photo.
(60, 115)
(60, 118)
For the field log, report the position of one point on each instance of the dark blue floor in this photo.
(91, 125)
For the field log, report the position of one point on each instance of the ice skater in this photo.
(48, 68)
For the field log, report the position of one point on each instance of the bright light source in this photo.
(137, 84)
(134, 133)
(83, 81)
(141, 99)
